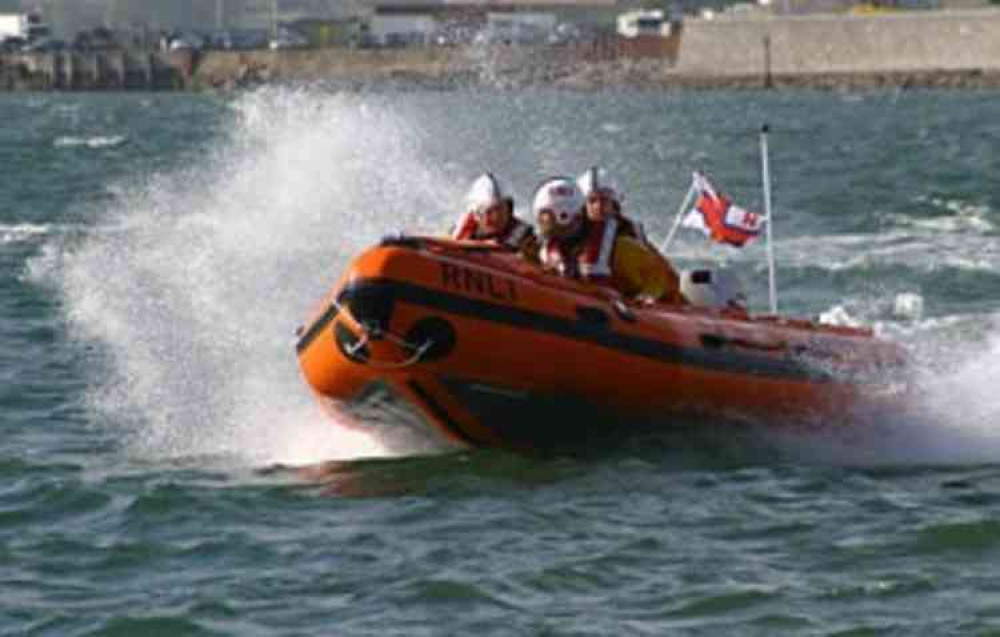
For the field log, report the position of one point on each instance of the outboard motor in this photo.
(719, 289)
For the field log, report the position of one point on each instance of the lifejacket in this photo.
(514, 236)
(587, 255)
(595, 256)
(559, 256)
(630, 228)
(466, 227)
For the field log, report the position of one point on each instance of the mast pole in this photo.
(766, 179)
(677, 221)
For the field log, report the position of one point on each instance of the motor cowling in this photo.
(713, 288)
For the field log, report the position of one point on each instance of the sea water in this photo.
(159, 250)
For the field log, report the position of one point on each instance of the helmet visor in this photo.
(602, 194)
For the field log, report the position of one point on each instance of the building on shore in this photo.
(444, 22)
(26, 27)
(331, 32)
(388, 20)
(71, 16)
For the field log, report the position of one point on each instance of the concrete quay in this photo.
(97, 70)
(895, 47)
(956, 49)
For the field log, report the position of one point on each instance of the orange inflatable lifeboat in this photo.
(475, 347)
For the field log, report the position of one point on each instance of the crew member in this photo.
(558, 206)
(490, 217)
(604, 201)
(606, 223)
(596, 252)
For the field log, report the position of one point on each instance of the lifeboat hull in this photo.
(447, 344)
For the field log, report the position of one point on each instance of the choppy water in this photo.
(158, 252)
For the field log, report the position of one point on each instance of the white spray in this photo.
(198, 278)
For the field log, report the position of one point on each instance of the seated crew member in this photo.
(604, 201)
(490, 216)
(557, 206)
(606, 224)
(595, 252)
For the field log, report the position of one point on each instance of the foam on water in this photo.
(923, 251)
(953, 215)
(19, 232)
(95, 142)
(196, 280)
(950, 414)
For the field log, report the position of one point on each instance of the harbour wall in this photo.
(958, 48)
(941, 48)
(888, 43)
(497, 64)
(98, 70)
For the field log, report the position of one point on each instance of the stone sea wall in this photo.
(444, 66)
(952, 49)
(946, 49)
(888, 43)
(104, 70)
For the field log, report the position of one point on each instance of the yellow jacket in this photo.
(639, 271)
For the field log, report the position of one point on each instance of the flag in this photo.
(719, 218)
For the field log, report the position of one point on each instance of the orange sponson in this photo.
(474, 347)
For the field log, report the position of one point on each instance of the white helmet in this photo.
(596, 179)
(484, 193)
(561, 197)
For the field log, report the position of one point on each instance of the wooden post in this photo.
(149, 70)
(768, 79)
(69, 72)
(58, 70)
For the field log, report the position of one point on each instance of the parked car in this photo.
(246, 40)
(180, 44)
(45, 45)
(220, 40)
(12, 44)
(186, 40)
(288, 40)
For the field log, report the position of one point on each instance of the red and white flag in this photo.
(719, 218)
